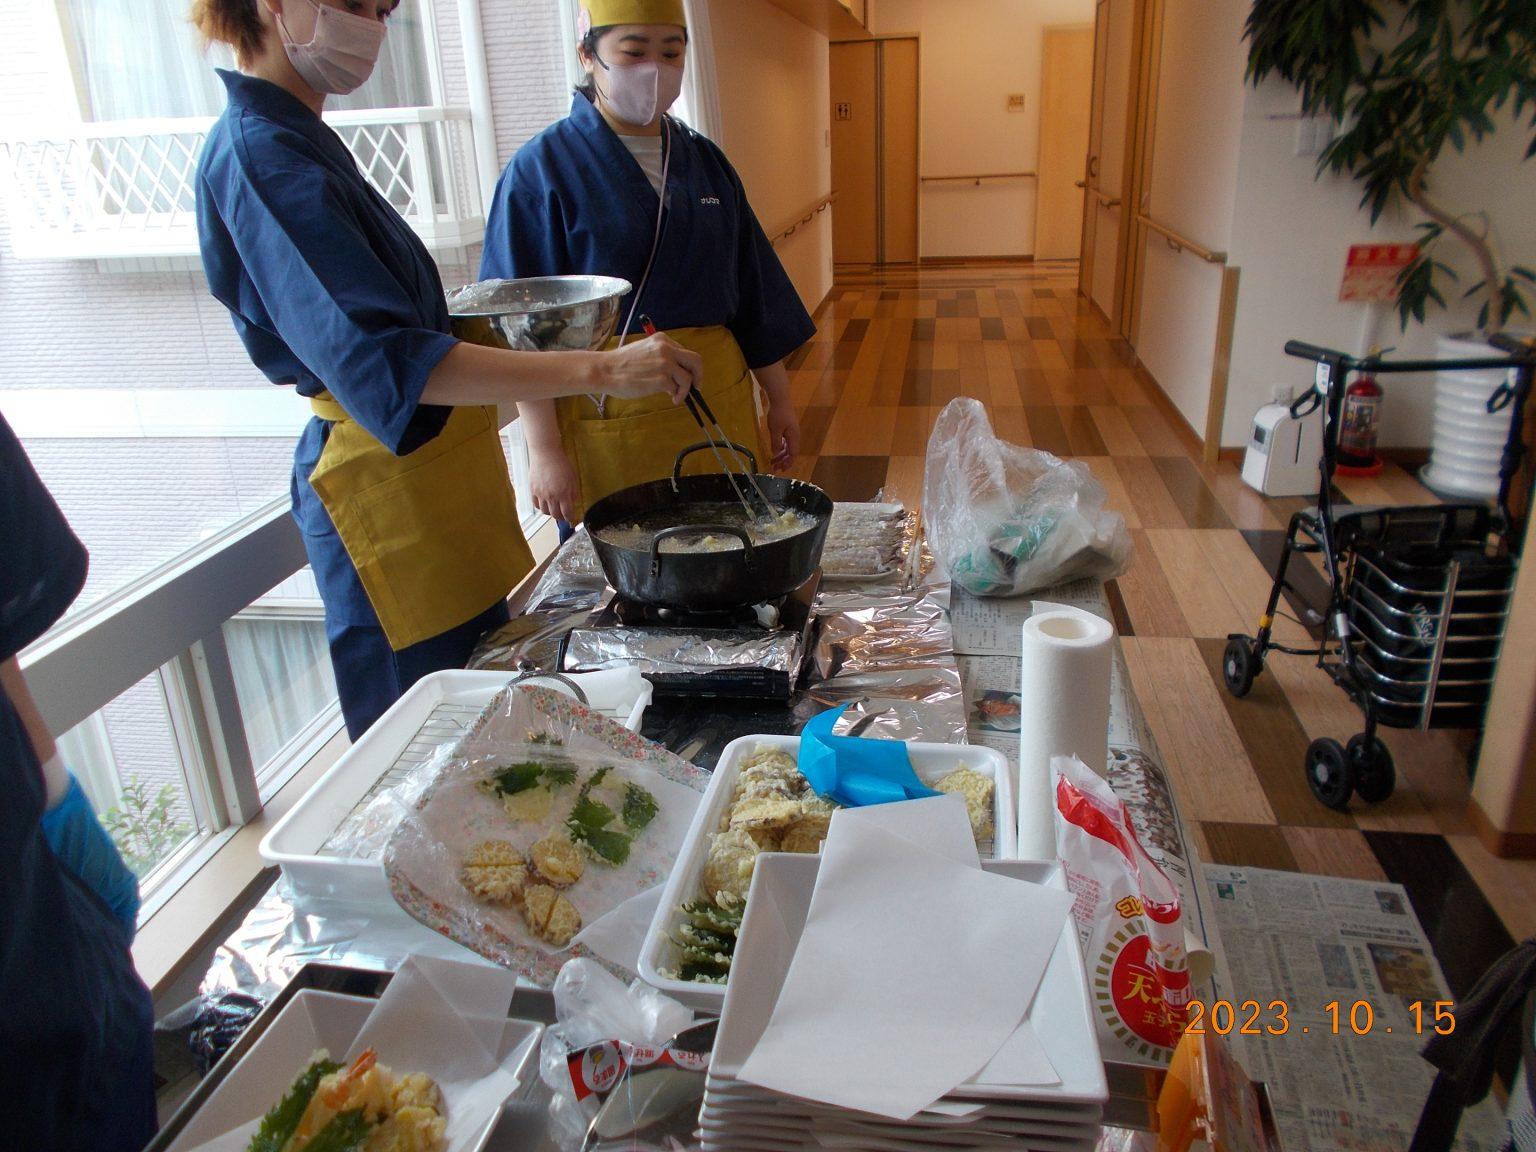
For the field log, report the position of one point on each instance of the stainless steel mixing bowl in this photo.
(539, 314)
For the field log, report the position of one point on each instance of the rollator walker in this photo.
(1418, 595)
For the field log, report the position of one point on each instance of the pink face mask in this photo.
(341, 54)
(640, 93)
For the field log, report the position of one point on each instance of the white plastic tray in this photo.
(435, 711)
(310, 1021)
(931, 762)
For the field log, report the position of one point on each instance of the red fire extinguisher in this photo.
(1357, 437)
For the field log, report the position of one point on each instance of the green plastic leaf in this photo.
(278, 1126)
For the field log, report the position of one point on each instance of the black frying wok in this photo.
(708, 581)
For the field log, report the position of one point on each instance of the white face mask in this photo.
(640, 93)
(341, 54)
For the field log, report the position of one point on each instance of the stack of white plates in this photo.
(1062, 1117)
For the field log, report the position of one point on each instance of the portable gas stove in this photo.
(756, 653)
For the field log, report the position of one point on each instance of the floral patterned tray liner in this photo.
(510, 719)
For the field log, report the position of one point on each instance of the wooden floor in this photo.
(896, 345)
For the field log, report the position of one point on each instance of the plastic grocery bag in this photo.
(606, 1036)
(1007, 521)
(1128, 917)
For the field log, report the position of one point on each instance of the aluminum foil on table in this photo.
(568, 593)
(882, 644)
(680, 651)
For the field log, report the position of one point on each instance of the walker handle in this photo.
(1307, 404)
(1312, 351)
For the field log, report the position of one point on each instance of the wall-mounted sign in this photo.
(1371, 272)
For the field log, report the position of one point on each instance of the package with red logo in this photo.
(1128, 920)
(610, 1038)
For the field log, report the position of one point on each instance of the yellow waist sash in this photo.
(632, 442)
(434, 535)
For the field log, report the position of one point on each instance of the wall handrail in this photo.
(1179, 242)
(978, 177)
(801, 221)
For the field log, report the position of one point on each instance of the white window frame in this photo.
(69, 53)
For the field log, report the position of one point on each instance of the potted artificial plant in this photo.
(1405, 80)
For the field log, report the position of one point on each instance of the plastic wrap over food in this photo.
(678, 651)
(545, 817)
(864, 541)
(1006, 520)
(514, 850)
(366, 832)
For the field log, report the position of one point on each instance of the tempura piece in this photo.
(495, 871)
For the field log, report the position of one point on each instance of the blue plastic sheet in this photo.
(854, 771)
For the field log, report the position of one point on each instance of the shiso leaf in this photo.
(345, 1133)
(278, 1125)
(639, 807)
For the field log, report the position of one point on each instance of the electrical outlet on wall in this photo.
(1016, 102)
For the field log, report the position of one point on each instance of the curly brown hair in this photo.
(233, 22)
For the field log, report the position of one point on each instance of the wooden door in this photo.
(875, 151)
(1066, 98)
(1089, 248)
(898, 156)
(855, 152)
(1106, 169)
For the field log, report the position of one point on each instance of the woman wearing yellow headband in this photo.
(619, 188)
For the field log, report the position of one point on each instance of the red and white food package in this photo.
(1128, 921)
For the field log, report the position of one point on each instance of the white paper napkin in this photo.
(618, 936)
(939, 824)
(915, 967)
(1021, 1060)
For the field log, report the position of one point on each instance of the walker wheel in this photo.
(1239, 665)
(1375, 774)
(1330, 773)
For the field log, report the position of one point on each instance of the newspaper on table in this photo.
(987, 639)
(1333, 970)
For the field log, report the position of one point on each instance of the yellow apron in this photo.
(635, 441)
(434, 535)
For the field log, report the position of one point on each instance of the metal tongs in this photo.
(723, 446)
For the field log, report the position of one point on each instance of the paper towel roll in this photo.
(1063, 711)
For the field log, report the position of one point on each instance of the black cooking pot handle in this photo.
(690, 530)
(704, 446)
